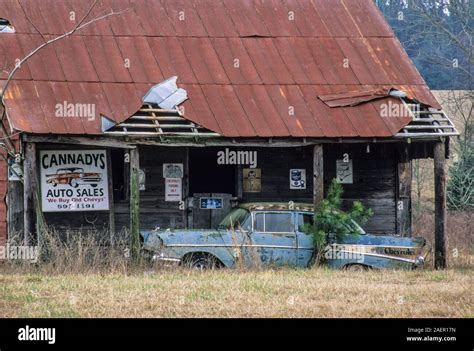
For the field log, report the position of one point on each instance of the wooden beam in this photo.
(186, 187)
(440, 206)
(30, 189)
(87, 141)
(240, 182)
(111, 197)
(135, 203)
(403, 206)
(318, 175)
(15, 208)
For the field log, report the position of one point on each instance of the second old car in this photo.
(273, 234)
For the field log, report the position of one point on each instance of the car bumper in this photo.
(419, 262)
(167, 260)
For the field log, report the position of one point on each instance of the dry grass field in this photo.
(316, 292)
(70, 287)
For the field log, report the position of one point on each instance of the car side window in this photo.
(273, 222)
(304, 219)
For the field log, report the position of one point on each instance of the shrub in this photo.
(331, 224)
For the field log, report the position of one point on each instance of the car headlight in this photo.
(153, 241)
(419, 261)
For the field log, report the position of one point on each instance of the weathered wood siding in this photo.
(375, 184)
(374, 181)
(154, 210)
(275, 164)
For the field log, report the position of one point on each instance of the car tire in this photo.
(94, 185)
(356, 268)
(201, 262)
(73, 183)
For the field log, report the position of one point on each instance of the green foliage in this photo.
(331, 223)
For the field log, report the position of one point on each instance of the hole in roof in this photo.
(5, 26)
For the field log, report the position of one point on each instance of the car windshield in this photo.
(237, 218)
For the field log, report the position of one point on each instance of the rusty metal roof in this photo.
(250, 68)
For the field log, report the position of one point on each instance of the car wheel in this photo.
(73, 183)
(201, 262)
(356, 268)
(94, 185)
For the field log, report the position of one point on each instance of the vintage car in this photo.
(74, 177)
(273, 234)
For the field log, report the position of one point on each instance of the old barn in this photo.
(168, 113)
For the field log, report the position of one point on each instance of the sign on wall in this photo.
(173, 174)
(172, 170)
(297, 178)
(344, 171)
(15, 171)
(173, 189)
(141, 180)
(252, 180)
(74, 180)
(211, 203)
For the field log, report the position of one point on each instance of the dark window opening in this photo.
(119, 175)
(305, 220)
(5, 26)
(207, 176)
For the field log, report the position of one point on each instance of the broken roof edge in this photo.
(358, 97)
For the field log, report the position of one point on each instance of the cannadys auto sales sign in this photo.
(74, 180)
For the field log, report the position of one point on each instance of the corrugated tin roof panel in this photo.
(250, 67)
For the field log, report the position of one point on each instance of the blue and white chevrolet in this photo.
(273, 234)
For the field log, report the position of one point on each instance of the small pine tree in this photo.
(331, 223)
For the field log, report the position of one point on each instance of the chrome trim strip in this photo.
(379, 255)
(231, 246)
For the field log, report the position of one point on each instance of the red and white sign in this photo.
(74, 180)
(173, 189)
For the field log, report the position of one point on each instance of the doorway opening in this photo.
(207, 176)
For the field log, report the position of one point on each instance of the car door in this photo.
(273, 237)
(304, 241)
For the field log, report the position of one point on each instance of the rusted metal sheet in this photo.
(235, 60)
(353, 98)
(250, 67)
(204, 61)
(246, 19)
(310, 24)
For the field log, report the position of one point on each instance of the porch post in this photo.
(440, 206)
(318, 175)
(30, 190)
(111, 197)
(134, 203)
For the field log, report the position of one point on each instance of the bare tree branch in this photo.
(80, 25)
